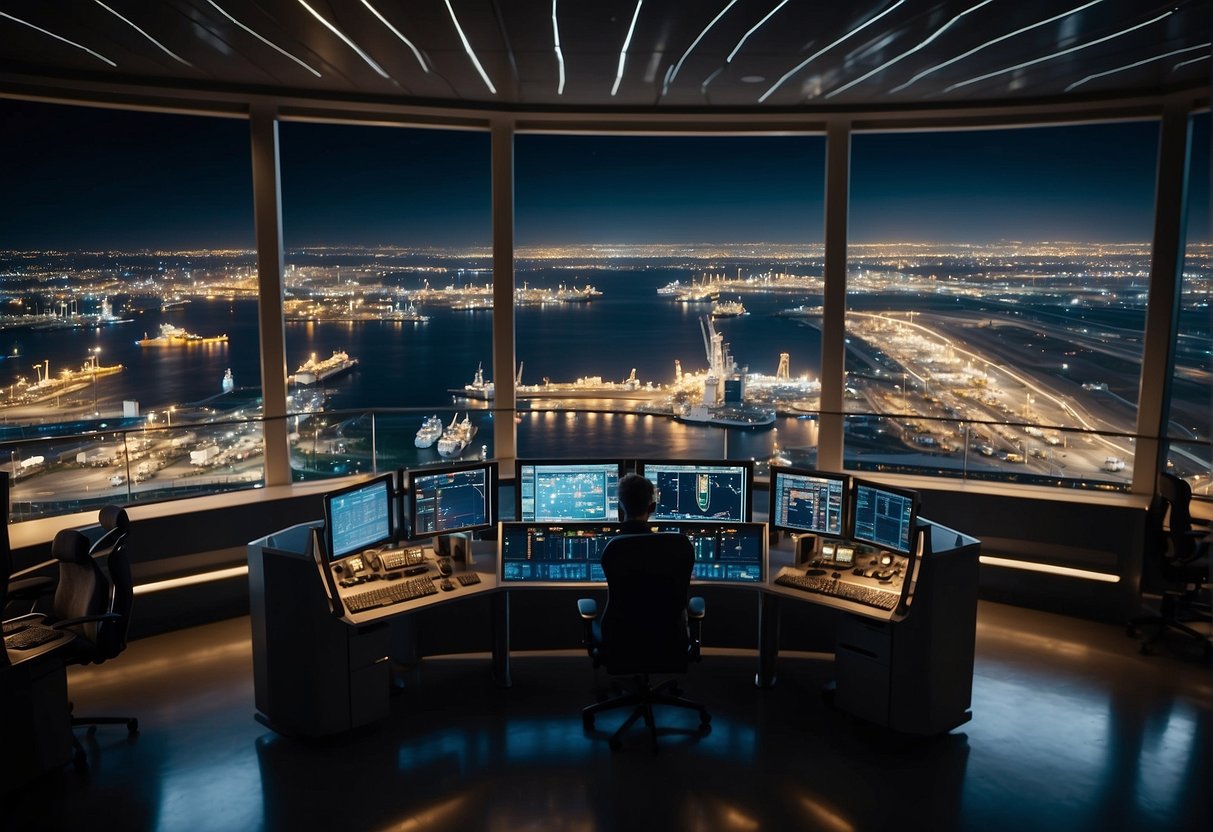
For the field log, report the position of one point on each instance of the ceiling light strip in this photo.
(467, 47)
(623, 53)
(908, 52)
(1044, 58)
(1190, 61)
(1033, 566)
(821, 52)
(670, 78)
(276, 48)
(998, 39)
(756, 27)
(1136, 64)
(130, 23)
(96, 55)
(367, 58)
(559, 54)
(397, 33)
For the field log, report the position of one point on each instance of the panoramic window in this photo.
(668, 296)
(129, 330)
(997, 285)
(388, 290)
(1191, 408)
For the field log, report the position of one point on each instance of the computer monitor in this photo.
(455, 498)
(701, 490)
(551, 490)
(883, 516)
(358, 517)
(808, 502)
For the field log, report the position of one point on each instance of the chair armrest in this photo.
(26, 589)
(587, 608)
(85, 619)
(31, 617)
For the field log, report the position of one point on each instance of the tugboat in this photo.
(431, 429)
(456, 437)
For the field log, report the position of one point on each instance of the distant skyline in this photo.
(93, 179)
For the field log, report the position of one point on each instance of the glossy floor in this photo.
(1071, 729)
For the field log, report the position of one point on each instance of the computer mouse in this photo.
(835, 575)
(858, 570)
(392, 576)
(446, 586)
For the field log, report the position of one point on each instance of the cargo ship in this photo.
(313, 371)
(728, 309)
(456, 437)
(175, 336)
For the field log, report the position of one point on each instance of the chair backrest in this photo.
(83, 589)
(1176, 495)
(111, 635)
(644, 627)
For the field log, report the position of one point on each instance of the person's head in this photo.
(636, 498)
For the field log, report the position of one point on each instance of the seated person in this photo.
(653, 566)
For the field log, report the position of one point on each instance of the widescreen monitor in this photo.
(701, 490)
(566, 490)
(571, 553)
(358, 517)
(805, 501)
(456, 498)
(883, 516)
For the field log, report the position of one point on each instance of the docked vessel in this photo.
(728, 309)
(175, 336)
(456, 437)
(430, 431)
(408, 314)
(728, 416)
(313, 371)
(585, 387)
(478, 389)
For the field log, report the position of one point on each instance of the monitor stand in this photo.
(456, 546)
(806, 548)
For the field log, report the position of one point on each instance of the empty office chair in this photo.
(1172, 566)
(648, 626)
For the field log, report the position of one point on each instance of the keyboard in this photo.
(30, 637)
(393, 593)
(467, 578)
(838, 589)
(400, 558)
(15, 626)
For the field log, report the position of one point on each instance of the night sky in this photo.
(83, 178)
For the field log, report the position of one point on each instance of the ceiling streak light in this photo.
(623, 53)
(1190, 61)
(163, 48)
(263, 40)
(397, 33)
(670, 78)
(1161, 57)
(908, 52)
(999, 39)
(756, 27)
(467, 47)
(559, 54)
(96, 55)
(1057, 54)
(821, 52)
(369, 62)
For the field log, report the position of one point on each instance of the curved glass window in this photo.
(387, 237)
(997, 286)
(668, 295)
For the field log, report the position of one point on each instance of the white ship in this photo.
(313, 371)
(431, 429)
(228, 384)
(478, 389)
(455, 437)
(729, 416)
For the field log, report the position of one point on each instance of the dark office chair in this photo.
(1173, 566)
(648, 626)
(95, 607)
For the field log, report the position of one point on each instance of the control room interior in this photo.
(1061, 719)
